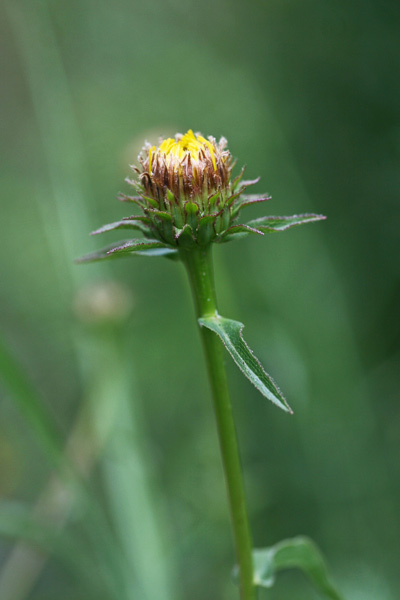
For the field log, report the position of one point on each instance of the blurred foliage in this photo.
(307, 95)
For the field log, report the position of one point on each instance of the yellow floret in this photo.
(188, 144)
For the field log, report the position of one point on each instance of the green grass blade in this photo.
(14, 379)
(18, 523)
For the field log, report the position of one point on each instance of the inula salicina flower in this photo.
(188, 197)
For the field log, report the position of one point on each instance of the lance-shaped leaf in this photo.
(230, 333)
(246, 200)
(234, 230)
(247, 182)
(136, 223)
(298, 553)
(138, 200)
(269, 224)
(139, 247)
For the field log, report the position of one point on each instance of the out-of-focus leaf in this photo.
(18, 523)
(230, 333)
(140, 247)
(28, 401)
(298, 553)
(269, 224)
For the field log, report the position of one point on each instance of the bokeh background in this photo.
(106, 360)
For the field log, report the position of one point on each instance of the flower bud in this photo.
(185, 189)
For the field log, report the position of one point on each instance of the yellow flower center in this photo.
(176, 150)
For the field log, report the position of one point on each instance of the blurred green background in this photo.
(308, 96)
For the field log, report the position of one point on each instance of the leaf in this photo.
(18, 523)
(235, 229)
(138, 200)
(139, 247)
(247, 182)
(268, 224)
(299, 553)
(231, 199)
(230, 333)
(246, 200)
(29, 402)
(124, 224)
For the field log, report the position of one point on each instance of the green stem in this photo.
(198, 263)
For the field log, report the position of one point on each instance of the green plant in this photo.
(188, 202)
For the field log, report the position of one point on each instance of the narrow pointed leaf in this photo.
(29, 402)
(246, 182)
(226, 235)
(138, 200)
(298, 553)
(230, 333)
(234, 197)
(269, 224)
(140, 218)
(139, 247)
(135, 184)
(124, 224)
(247, 200)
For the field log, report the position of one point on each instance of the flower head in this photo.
(185, 189)
(190, 167)
(187, 197)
